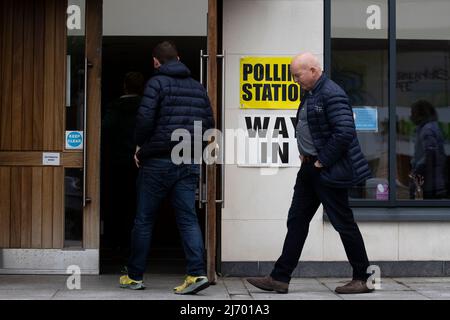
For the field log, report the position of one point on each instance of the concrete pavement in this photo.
(159, 287)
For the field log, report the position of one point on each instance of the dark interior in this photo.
(122, 55)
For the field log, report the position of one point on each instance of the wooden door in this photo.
(33, 48)
(212, 206)
(32, 37)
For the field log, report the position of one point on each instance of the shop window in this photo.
(360, 66)
(423, 100)
(405, 128)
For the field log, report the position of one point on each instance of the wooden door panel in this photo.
(5, 206)
(36, 208)
(6, 76)
(25, 207)
(47, 208)
(17, 77)
(33, 58)
(32, 118)
(49, 75)
(15, 208)
(28, 83)
(38, 79)
(31, 207)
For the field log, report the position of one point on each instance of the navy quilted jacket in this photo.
(172, 100)
(330, 120)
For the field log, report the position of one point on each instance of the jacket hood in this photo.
(174, 69)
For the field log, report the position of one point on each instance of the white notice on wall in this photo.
(50, 159)
(268, 141)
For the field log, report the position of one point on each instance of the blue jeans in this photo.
(158, 178)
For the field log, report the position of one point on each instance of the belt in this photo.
(309, 158)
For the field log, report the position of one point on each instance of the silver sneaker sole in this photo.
(136, 286)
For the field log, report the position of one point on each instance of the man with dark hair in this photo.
(172, 100)
(134, 83)
(165, 51)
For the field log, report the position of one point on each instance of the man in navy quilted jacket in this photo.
(332, 162)
(172, 101)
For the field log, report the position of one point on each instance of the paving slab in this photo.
(27, 294)
(295, 296)
(32, 282)
(236, 286)
(160, 287)
(436, 295)
(241, 297)
(386, 295)
(422, 280)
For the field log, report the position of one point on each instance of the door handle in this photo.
(87, 65)
(222, 153)
(202, 198)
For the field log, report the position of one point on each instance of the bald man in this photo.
(332, 162)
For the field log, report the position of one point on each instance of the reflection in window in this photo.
(73, 200)
(423, 100)
(76, 43)
(359, 64)
(423, 120)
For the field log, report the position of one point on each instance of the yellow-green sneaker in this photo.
(127, 283)
(192, 285)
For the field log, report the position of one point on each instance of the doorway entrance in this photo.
(128, 56)
(51, 103)
(48, 164)
(130, 32)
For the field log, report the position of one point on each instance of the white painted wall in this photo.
(155, 17)
(256, 206)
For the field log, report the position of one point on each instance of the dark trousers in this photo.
(121, 206)
(158, 178)
(309, 192)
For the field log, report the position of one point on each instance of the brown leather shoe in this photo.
(354, 287)
(267, 283)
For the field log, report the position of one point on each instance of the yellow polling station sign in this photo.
(267, 83)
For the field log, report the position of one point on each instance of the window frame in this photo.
(393, 202)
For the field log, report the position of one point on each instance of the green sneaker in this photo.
(127, 283)
(192, 285)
